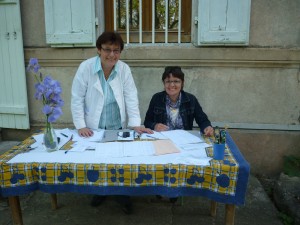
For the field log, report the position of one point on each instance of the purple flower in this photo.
(47, 109)
(47, 80)
(55, 114)
(57, 111)
(33, 65)
(47, 90)
(48, 94)
(57, 89)
(60, 103)
(33, 61)
(39, 91)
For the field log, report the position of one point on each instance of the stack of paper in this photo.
(86, 143)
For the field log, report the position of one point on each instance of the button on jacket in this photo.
(88, 99)
(189, 110)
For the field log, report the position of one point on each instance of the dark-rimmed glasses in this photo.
(108, 51)
(175, 82)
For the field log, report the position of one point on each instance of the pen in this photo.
(151, 137)
(29, 149)
(64, 135)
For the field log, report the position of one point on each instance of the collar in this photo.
(171, 104)
(183, 96)
(98, 66)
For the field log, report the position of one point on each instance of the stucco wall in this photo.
(234, 95)
(255, 89)
(234, 86)
(275, 23)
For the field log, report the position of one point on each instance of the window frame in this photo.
(186, 8)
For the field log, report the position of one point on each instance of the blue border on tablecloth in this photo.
(244, 171)
(119, 190)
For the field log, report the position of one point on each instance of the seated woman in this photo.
(174, 108)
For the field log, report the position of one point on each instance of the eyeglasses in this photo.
(108, 51)
(175, 82)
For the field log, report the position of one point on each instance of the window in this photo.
(212, 22)
(140, 19)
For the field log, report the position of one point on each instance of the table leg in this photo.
(54, 201)
(16, 213)
(213, 208)
(229, 214)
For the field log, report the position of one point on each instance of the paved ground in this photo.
(74, 209)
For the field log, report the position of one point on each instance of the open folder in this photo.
(164, 147)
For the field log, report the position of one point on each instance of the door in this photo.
(13, 92)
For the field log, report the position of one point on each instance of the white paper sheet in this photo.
(193, 146)
(136, 153)
(97, 137)
(155, 135)
(182, 137)
(193, 158)
(124, 149)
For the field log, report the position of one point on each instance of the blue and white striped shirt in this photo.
(110, 118)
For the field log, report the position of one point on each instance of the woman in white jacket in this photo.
(103, 92)
(104, 96)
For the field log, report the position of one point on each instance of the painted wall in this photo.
(256, 90)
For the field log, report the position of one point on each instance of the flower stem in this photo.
(48, 129)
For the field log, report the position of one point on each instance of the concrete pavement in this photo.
(74, 209)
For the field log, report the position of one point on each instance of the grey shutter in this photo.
(70, 22)
(223, 22)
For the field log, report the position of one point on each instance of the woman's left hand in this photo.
(209, 131)
(141, 130)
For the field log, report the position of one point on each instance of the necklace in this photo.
(173, 115)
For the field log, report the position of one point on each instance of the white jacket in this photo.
(87, 96)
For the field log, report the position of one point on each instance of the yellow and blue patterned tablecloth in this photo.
(223, 181)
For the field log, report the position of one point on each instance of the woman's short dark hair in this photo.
(110, 37)
(175, 71)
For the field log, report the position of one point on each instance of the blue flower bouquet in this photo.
(48, 91)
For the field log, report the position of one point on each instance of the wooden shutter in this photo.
(13, 92)
(223, 22)
(70, 23)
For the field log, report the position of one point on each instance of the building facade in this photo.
(253, 87)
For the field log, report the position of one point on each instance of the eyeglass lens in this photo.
(175, 82)
(108, 51)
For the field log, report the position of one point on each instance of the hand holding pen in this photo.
(208, 131)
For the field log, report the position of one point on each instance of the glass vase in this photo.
(50, 139)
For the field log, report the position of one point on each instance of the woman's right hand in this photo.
(85, 132)
(160, 127)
